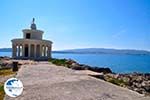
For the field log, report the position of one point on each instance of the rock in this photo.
(140, 90)
(8, 66)
(135, 81)
(3, 64)
(77, 68)
(116, 76)
(5, 58)
(138, 82)
(70, 61)
(86, 67)
(147, 88)
(143, 84)
(104, 70)
(135, 89)
(101, 76)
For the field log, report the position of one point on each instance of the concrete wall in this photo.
(35, 34)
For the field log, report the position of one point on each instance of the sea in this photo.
(118, 63)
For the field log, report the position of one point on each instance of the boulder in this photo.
(104, 70)
(77, 67)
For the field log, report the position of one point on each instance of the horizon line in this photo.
(92, 48)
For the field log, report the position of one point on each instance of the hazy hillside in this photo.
(95, 51)
(104, 51)
(5, 49)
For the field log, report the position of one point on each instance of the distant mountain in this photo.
(104, 51)
(95, 51)
(5, 49)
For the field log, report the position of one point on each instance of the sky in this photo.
(71, 24)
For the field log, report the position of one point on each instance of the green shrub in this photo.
(2, 93)
(117, 81)
(59, 62)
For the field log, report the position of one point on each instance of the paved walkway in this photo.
(45, 81)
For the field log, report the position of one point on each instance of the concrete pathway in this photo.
(45, 81)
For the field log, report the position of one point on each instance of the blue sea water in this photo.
(8, 54)
(119, 63)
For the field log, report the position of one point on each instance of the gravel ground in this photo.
(45, 81)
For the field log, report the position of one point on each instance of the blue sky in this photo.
(122, 24)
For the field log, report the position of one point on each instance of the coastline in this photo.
(118, 63)
(139, 82)
(45, 81)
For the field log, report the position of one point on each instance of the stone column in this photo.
(44, 50)
(29, 51)
(35, 54)
(41, 50)
(13, 50)
(23, 47)
(16, 50)
(47, 51)
(50, 49)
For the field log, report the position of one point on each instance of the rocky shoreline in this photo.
(139, 82)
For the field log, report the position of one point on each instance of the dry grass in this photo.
(5, 72)
(2, 93)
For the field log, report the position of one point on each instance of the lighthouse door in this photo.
(26, 51)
